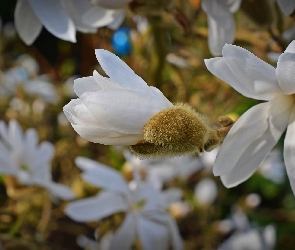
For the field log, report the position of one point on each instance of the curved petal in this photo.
(285, 73)
(106, 136)
(165, 219)
(102, 176)
(171, 195)
(152, 235)
(119, 16)
(15, 136)
(85, 84)
(27, 24)
(119, 71)
(54, 18)
(291, 47)
(96, 208)
(104, 82)
(8, 164)
(98, 17)
(76, 9)
(262, 123)
(123, 110)
(251, 71)
(289, 150)
(286, 6)
(57, 190)
(125, 235)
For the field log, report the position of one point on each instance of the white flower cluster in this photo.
(63, 18)
(29, 162)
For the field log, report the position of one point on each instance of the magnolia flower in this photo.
(28, 162)
(287, 6)
(124, 110)
(60, 17)
(221, 22)
(144, 207)
(258, 130)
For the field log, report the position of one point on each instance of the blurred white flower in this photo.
(22, 157)
(62, 18)
(253, 200)
(163, 170)
(221, 22)
(206, 191)
(114, 110)
(287, 6)
(144, 207)
(24, 75)
(244, 235)
(252, 238)
(258, 130)
(91, 244)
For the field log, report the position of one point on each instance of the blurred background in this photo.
(165, 43)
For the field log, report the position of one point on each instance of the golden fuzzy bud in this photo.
(177, 130)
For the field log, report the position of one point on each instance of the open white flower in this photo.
(144, 207)
(114, 110)
(60, 17)
(257, 131)
(23, 158)
(221, 22)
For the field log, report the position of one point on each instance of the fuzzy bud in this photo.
(177, 130)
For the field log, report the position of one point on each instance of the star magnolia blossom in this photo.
(114, 110)
(23, 158)
(258, 130)
(221, 22)
(60, 17)
(144, 207)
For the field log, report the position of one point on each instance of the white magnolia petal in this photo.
(251, 71)
(285, 72)
(289, 149)
(291, 46)
(76, 9)
(119, 71)
(96, 208)
(85, 84)
(57, 190)
(103, 82)
(8, 164)
(287, 6)
(106, 136)
(125, 235)
(77, 113)
(119, 18)
(218, 67)
(54, 18)
(126, 111)
(102, 176)
(26, 23)
(15, 135)
(165, 219)
(220, 35)
(98, 17)
(4, 134)
(152, 235)
(256, 151)
(250, 126)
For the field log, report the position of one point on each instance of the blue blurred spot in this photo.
(121, 41)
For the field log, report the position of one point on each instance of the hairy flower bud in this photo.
(174, 131)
